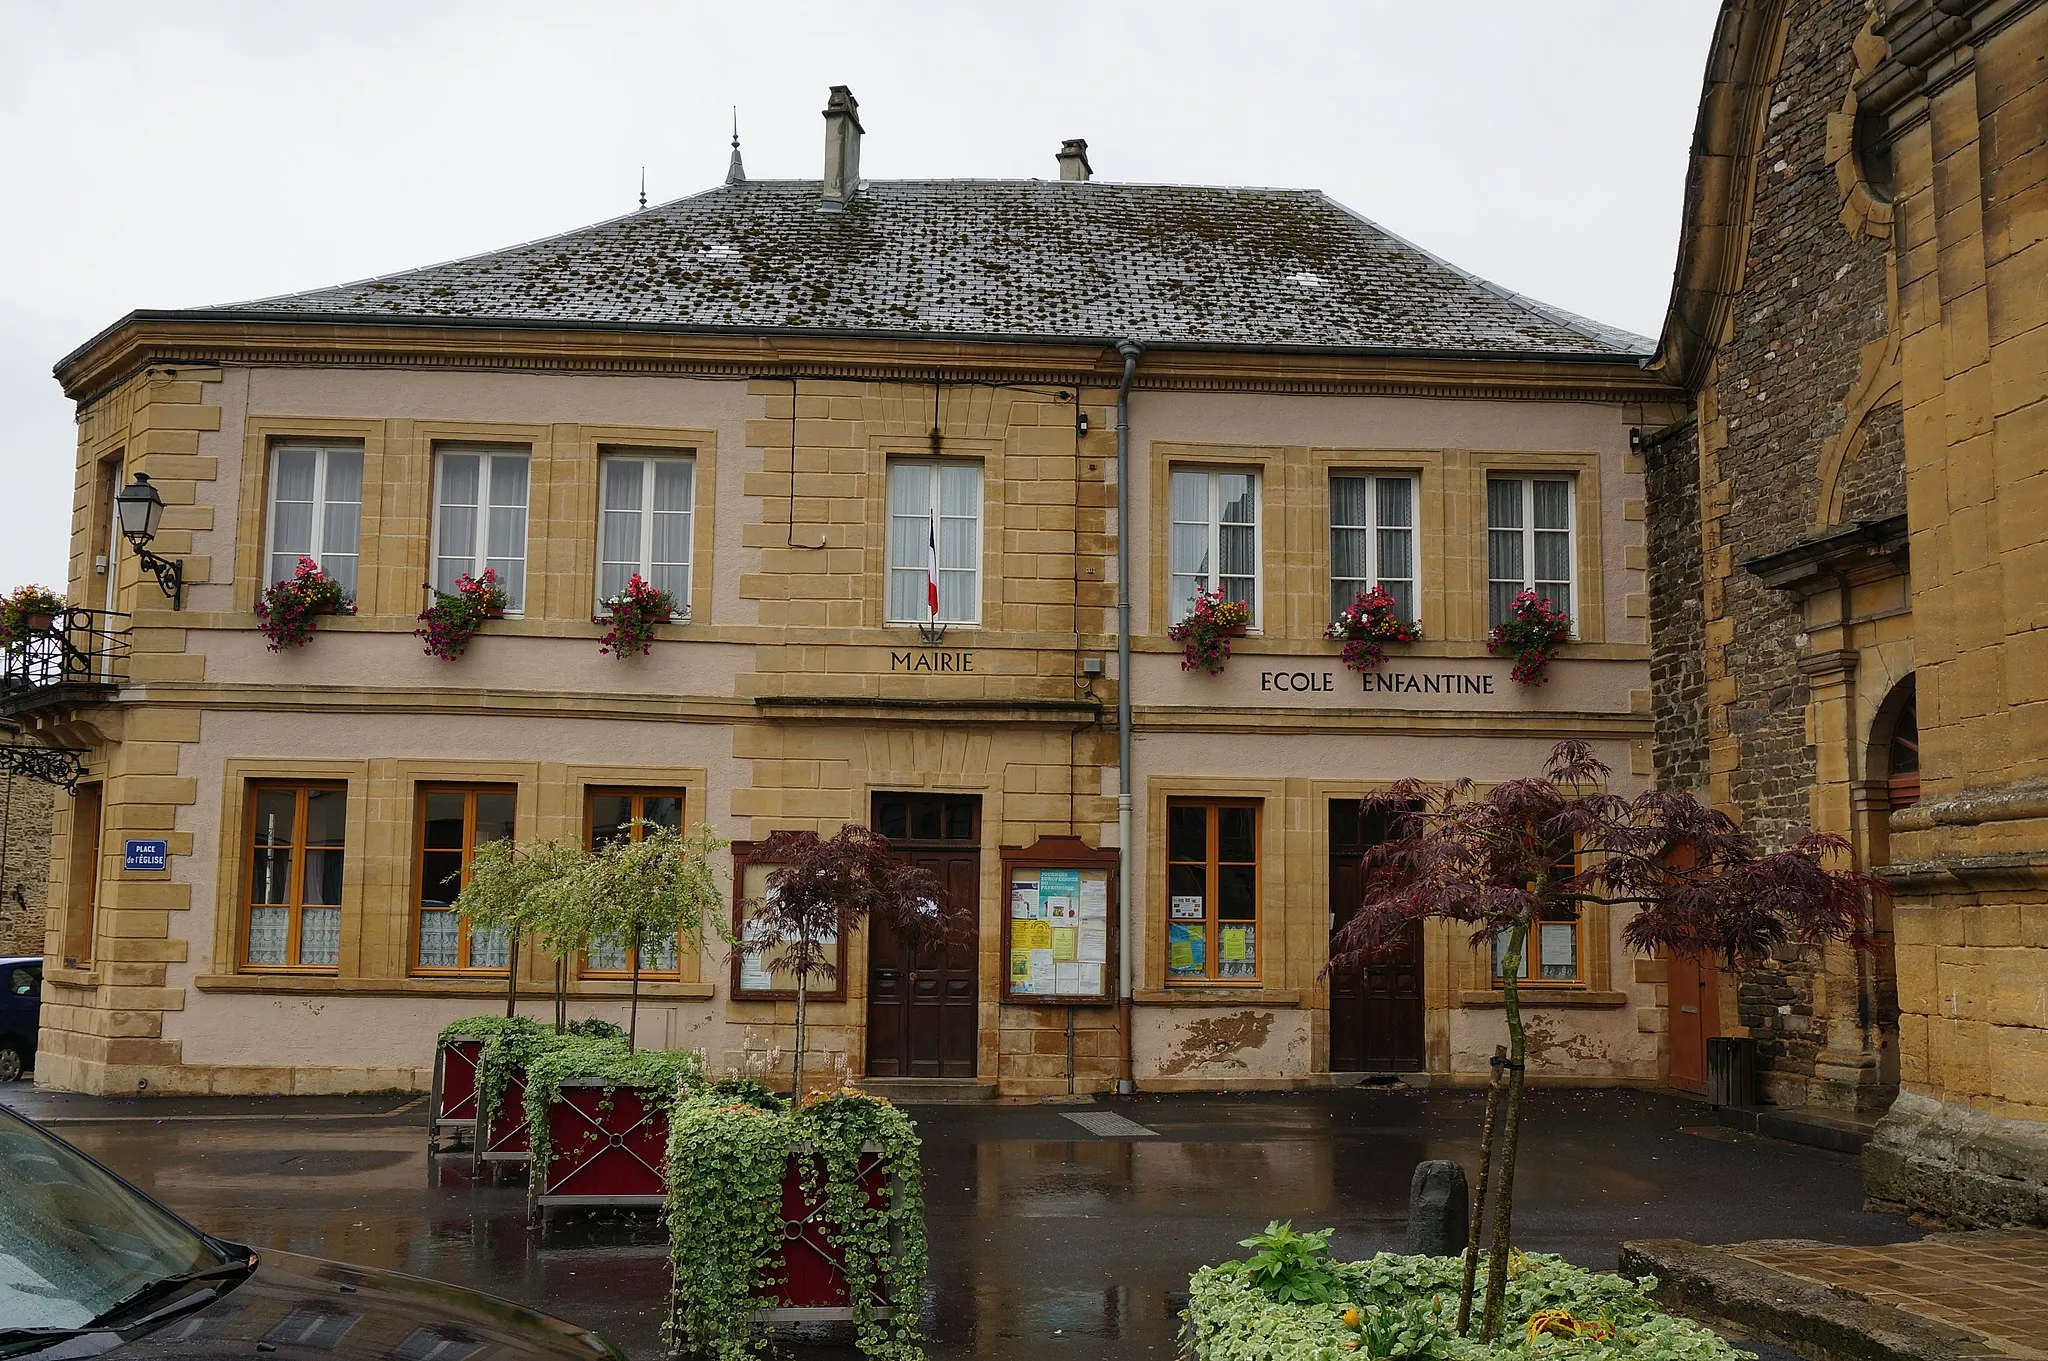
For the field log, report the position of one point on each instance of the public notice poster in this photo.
(1059, 935)
(1186, 949)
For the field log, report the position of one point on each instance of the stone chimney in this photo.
(1073, 159)
(842, 148)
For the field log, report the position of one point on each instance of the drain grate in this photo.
(1107, 1125)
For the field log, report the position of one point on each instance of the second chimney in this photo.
(1073, 159)
(842, 148)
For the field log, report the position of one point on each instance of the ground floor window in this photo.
(297, 841)
(623, 814)
(453, 821)
(82, 892)
(1551, 954)
(1212, 885)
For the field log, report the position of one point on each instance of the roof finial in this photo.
(643, 188)
(735, 173)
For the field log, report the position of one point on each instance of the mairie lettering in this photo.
(931, 661)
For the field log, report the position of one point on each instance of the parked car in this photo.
(90, 1266)
(21, 1004)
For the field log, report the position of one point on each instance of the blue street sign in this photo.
(146, 855)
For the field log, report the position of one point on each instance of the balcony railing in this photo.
(81, 648)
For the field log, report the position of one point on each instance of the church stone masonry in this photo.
(786, 396)
(1848, 595)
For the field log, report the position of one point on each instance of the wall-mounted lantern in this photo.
(141, 510)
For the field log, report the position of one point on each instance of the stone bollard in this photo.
(1439, 1209)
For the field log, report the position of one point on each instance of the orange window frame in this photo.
(470, 793)
(295, 894)
(1532, 948)
(638, 804)
(82, 895)
(1212, 865)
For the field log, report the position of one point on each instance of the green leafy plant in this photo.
(1290, 1267)
(24, 603)
(606, 1061)
(509, 1044)
(541, 888)
(454, 618)
(1204, 636)
(659, 885)
(633, 614)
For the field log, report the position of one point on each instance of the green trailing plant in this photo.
(24, 603)
(1399, 1306)
(1290, 1267)
(288, 609)
(606, 1061)
(730, 1147)
(633, 614)
(509, 1044)
(1204, 635)
(660, 886)
(1533, 632)
(456, 617)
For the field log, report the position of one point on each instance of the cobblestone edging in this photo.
(1821, 1323)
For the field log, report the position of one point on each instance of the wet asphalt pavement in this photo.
(1046, 1240)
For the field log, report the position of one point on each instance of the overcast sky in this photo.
(174, 155)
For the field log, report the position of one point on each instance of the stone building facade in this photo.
(26, 807)
(825, 376)
(1859, 317)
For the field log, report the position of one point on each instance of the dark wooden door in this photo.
(1691, 986)
(1375, 1009)
(922, 1007)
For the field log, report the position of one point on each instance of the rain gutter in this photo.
(1130, 350)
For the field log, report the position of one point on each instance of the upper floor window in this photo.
(622, 814)
(297, 837)
(480, 516)
(316, 509)
(1372, 540)
(1529, 524)
(934, 542)
(645, 523)
(1214, 543)
(453, 822)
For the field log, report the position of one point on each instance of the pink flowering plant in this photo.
(1534, 631)
(454, 618)
(633, 613)
(26, 602)
(1368, 626)
(1204, 636)
(288, 608)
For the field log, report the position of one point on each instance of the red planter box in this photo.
(454, 1100)
(606, 1150)
(812, 1271)
(507, 1140)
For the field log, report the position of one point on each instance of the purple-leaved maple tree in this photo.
(822, 886)
(1508, 858)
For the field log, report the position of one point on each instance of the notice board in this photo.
(1059, 923)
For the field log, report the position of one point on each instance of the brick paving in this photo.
(1992, 1282)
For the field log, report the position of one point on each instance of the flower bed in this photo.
(1395, 1306)
(775, 1214)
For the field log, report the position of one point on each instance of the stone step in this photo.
(929, 1091)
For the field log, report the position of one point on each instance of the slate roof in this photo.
(1010, 259)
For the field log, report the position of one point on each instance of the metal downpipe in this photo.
(1126, 853)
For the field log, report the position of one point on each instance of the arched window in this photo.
(1903, 751)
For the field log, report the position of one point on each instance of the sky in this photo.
(211, 151)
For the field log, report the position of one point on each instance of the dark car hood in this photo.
(306, 1309)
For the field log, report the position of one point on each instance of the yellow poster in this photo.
(1031, 935)
(1181, 954)
(1065, 942)
(1233, 944)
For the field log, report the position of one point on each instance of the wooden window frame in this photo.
(321, 550)
(1372, 531)
(294, 903)
(745, 854)
(890, 568)
(612, 455)
(1211, 922)
(639, 794)
(82, 892)
(1528, 530)
(1214, 524)
(480, 541)
(1532, 948)
(419, 875)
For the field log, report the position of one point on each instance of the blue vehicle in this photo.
(21, 1003)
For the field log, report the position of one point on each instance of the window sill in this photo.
(481, 988)
(82, 977)
(1248, 995)
(1536, 999)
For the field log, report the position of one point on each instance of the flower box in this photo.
(809, 1272)
(606, 1147)
(504, 1138)
(452, 1106)
(41, 621)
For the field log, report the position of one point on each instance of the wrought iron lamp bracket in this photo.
(63, 766)
(169, 574)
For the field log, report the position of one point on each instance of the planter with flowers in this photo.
(1534, 632)
(633, 614)
(1367, 626)
(289, 609)
(1204, 636)
(597, 1121)
(30, 610)
(448, 625)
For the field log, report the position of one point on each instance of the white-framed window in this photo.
(1529, 530)
(480, 495)
(1213, 542)
(316, 508)
(646, 517)
(934, 510)
(1372, 540)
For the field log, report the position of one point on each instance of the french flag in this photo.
(931, 567)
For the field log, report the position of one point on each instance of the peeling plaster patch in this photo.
(1549, 1049)
(1219, 1040)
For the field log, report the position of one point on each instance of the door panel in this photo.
(1376, 1010)
(923, 1008)
(1695, 1007)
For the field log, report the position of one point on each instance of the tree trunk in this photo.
(512, 977)
(1504, 1199)
(561, 994)
(633, 1013)
(796, 1081)
(1472, 1226)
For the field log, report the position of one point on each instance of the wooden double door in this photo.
(1376, 1009)
(923, 1005)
